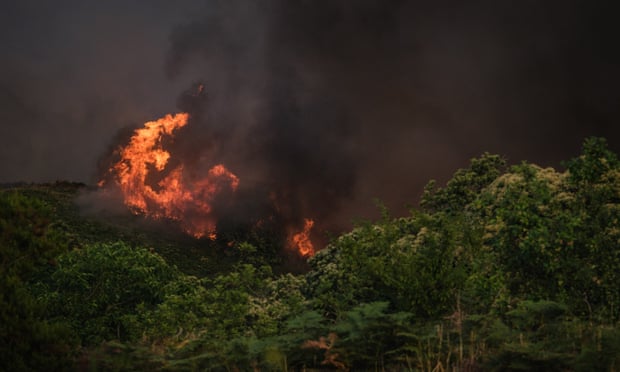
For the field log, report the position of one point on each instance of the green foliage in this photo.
(417, 264)
(232, 319)
(594, 164)
(367, 333)
(601, 349)
(594, 180)
(27, 243)
(281, 299)
(524, 229)
(101, 286)
(179, 316)
(27, 238)
(554, 239)
(542, 335)
(504, 268)
(464, 186)
(491, 240)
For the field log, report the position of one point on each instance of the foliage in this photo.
(416, 264)
(504, 268)
(543, 335)
(28, 242)
(464, 186)
(556, 237)
(100, 286)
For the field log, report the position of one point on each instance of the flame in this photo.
(301, 240)
(176, 196)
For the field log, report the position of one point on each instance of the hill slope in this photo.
(504, 268)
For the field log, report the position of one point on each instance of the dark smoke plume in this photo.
(328, 104)
(376, 97)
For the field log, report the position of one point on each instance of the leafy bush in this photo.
(100, 288)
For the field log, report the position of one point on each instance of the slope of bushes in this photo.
(503, 268)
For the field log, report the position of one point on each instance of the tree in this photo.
(556, 234)
(464, 186)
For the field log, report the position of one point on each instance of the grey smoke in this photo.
(334, 103)
(329, 103)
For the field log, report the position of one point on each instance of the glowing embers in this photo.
(301, 241)
(152, 187)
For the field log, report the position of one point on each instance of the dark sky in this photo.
(341, 101)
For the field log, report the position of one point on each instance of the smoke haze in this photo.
(324, 105)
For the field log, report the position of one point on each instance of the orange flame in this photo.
(301, 241)
(189, 201)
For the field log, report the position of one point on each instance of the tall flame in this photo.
(175, 197)
(301, 241)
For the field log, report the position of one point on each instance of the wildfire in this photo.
(301, 241)
(173, 194)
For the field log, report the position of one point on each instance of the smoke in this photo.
(72, 74)
(329, 104)
(319, 106)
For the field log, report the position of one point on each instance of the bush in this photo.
(100, 288)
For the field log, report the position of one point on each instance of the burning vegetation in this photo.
(174, 194)
(301, 241)
(156, 184)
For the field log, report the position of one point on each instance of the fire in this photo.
(173, 194)
(301, 241)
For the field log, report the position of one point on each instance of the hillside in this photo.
(68, 205)
(504, 268)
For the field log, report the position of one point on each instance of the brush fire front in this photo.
(157, 185)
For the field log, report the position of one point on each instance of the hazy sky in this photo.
(333, 99)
